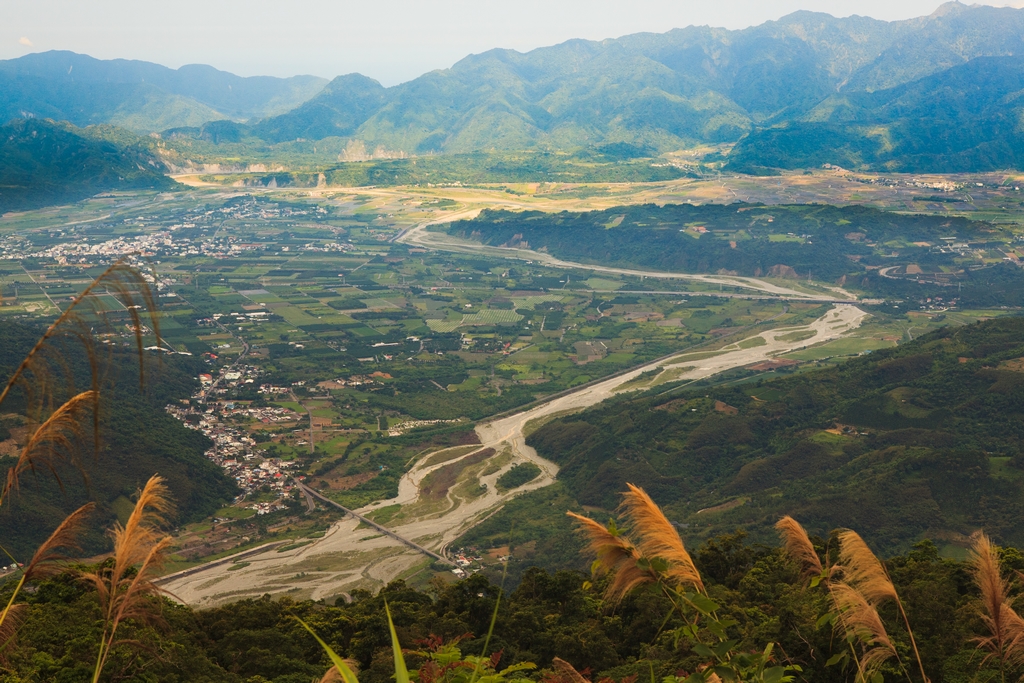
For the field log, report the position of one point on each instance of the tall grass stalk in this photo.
(47, 558)
(867, 575)
(798, 546)
(125, 588)
(52, 442)
(860, 619)
(78, 321)
(857, 585)
(1005, 639)
(343, 667)
(660, 557)
(616, 555)
(54, 439)
(9, 629)
(658, 538)
(401, 671)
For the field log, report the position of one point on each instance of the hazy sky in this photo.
(390, 40)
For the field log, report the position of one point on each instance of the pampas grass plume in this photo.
(798, 546)
(658, 538)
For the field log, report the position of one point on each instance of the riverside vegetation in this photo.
(852, 245)
(916, 441)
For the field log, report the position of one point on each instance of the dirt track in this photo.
(347, 558)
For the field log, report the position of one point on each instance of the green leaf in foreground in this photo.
(401, 673)
(344, 669)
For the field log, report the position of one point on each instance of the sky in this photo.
(390, 40)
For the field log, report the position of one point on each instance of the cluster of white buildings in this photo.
(234, 448)
(465, 564)
(270, 389)
(160, 244)
(326, 246)
(161, 241)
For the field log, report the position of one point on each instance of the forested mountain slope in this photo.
(804, 90)
(849, 245)
(962, 119)
(923, 440)
(696, 84)
(42, 162)
(138, 439)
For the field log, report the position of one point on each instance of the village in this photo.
(234, 446)
(468, 562)
(181, 236)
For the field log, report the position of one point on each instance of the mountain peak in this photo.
(952, 8)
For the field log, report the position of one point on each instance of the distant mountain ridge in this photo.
(691, 85)
(963, 119)
(140, 96)
(934, 93)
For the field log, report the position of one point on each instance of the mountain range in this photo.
(962, 119)
(934, 93)
(782, 90)
(140, 96)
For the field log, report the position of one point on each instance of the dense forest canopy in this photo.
(43, 163)
(545, 616)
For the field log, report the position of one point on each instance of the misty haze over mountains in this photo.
(935, 93)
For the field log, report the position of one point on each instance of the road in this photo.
(345, 558)
(419, 236)
(309, 413)
(369, 522)
(310, 502)
(244, 352)
(45, 293)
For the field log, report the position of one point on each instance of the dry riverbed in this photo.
(347, 558)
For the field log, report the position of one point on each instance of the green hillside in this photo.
(477, 167)
(138, 439)
(926, 94)
(926, 442)
(336, 111)
(42, 162)
(936, 450)
(963, 119)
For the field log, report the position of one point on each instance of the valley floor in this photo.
(352, 556)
